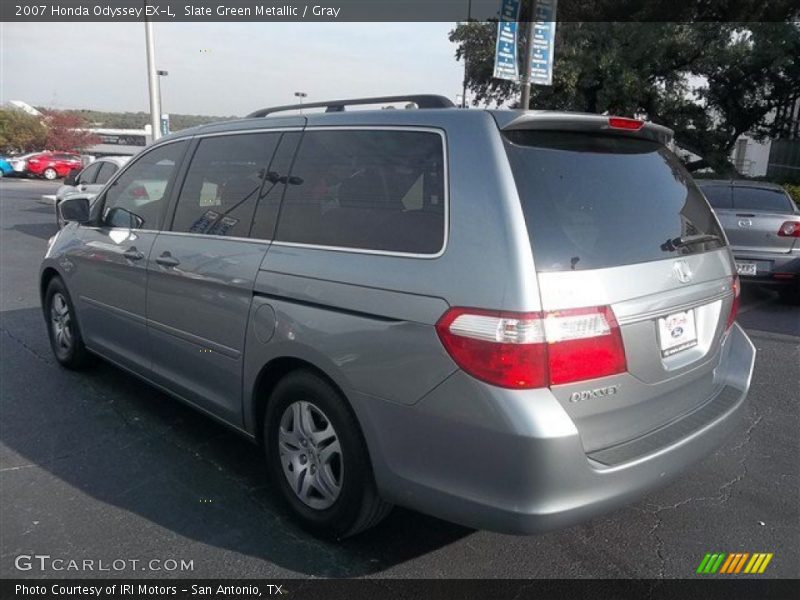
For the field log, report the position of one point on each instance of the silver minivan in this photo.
(513, 320)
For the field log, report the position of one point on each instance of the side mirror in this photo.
(121, 217)
(74, 208)
(72, 177)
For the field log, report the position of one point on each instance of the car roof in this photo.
(743, 183)
(118, 160)
(505, 119)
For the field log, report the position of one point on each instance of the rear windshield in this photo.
(748, 198)
(594, 201)
(719, 196)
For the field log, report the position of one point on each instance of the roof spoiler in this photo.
(421, 100)
(541, 120)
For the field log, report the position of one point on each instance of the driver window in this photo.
(88, 174)
(136, 198)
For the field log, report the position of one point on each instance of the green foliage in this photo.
(137, 120)
(20, 132)
(794, 192)
(708, 81)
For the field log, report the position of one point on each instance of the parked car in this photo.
(762, 223)
(52, 165)
(5, 167)
(514, 320)
(90, 180)
(20, 163)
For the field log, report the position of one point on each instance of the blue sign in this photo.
(505, 54)
(543, 44)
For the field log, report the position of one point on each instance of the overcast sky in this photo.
(222, 68)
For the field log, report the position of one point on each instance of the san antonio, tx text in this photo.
(128, 589)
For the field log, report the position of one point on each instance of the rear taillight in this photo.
(504, 349)
(583, 344)
(790, 229)
(528, 350)
(625, 123)
(736, 286)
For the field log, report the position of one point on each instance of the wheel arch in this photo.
(48, 273)
(269, 376)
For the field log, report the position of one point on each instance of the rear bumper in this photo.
(513, 461)
(774, 269)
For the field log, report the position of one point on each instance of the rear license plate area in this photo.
(677, 332)
(746, 268)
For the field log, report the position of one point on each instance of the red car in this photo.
(52, 165)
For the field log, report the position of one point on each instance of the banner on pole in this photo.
(543, 43)
(505, 54)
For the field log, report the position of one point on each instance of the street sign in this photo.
(165, 124)
(542, 46)
(505, 54)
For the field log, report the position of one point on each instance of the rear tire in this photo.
(318, 458)
(50, 174)
(66, 341)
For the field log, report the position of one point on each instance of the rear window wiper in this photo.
(689, 240)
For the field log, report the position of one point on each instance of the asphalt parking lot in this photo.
(99, 466)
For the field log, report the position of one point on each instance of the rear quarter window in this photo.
(594, 201)
(377, 190)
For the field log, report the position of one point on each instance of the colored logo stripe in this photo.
(734, 563)
(711, 562)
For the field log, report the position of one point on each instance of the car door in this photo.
(110, 262)
(87, 177)
(82, 182)
(202, 269)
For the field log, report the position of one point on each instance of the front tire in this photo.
(318, 458)
(66, 341)
(50, 174)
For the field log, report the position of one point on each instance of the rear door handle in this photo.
(167, 260)
(133, 254)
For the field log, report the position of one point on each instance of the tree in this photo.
(709, 82)
(20, 132)
(66, 131)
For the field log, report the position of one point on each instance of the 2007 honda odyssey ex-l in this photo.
(513, 320)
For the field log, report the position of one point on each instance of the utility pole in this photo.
(525, 80)
(464, 90)
(152, 78)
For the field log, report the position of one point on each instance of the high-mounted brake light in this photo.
(528, 350)
(625, 123)
(790, 229)
(736, 286)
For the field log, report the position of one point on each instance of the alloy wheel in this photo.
(311, 455)
(61, 324)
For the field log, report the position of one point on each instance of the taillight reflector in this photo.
(736, 286)
(625, 123)
(527, 350)
(790, 229)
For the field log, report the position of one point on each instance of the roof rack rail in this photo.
(421, 100)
